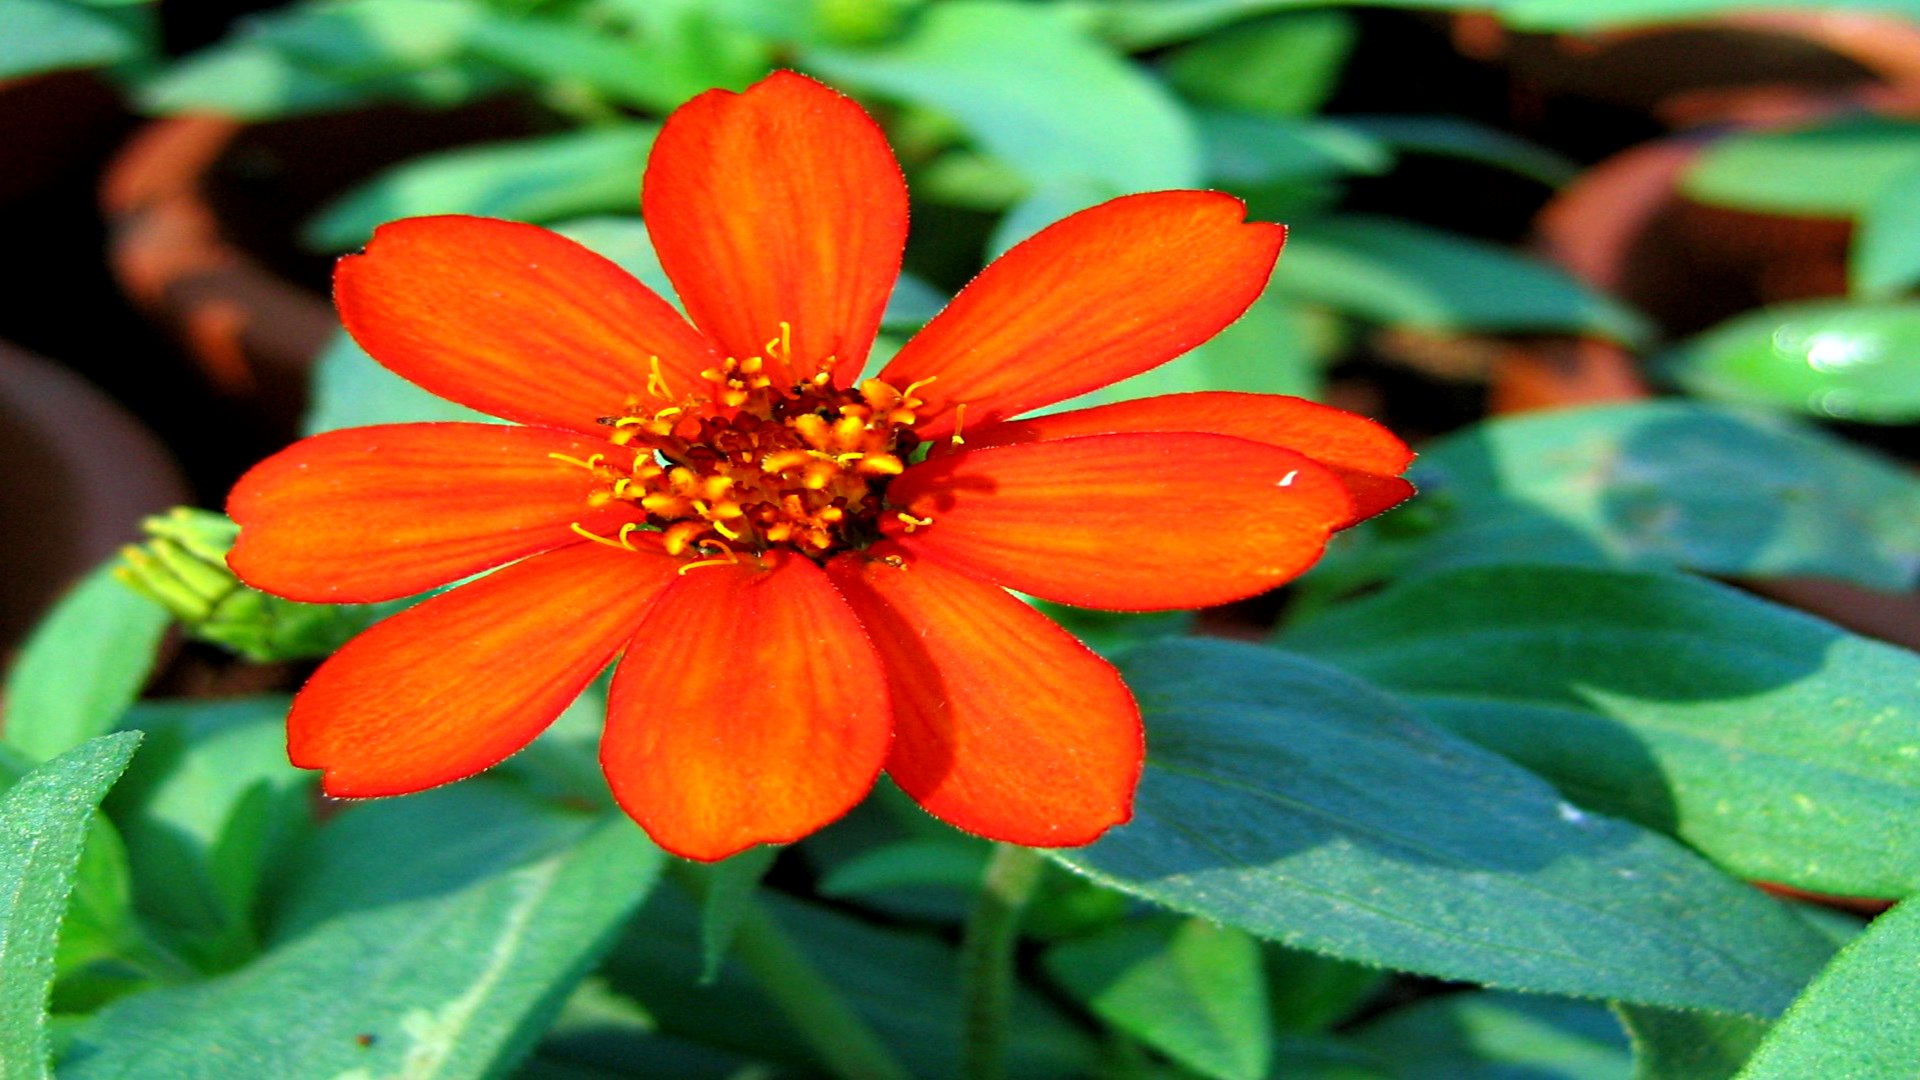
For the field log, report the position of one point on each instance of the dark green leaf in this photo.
(907, 864)
(47, 35)
(1310, 992)
(1185, 987)
(1302, 805)
(433, 936)
(1779, 745)
(1245, 150)
(43, 826)
(1654, 485)
(1885, 259)
(1395, 272)
(1670, 1045)
(1145, 24)
(1458, 137)
(1076, 112)
(1285, 65)
(83, 666)
(731, 886)
(1857, 1019)
(1836, 169)
(1831, 359)
(1481, 1036)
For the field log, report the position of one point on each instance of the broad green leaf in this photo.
(48, 35)
(1045, 205)
(1830, 359)
(1781, 746)
(1483, 1036)
(43, 825)
(1885, 260)
(1031, 88)
(99, 921)
(1144, 24)
(1246, 150)
(351, 390)
(559, 51)
(1458, 137)
(83, 666)
(1671, 1045)
(1654, 485)
(1857, 1019)
(731, 886)
(1190, 989)
(1836, 169)
(1297, 803)
(541, 179)
(446, 936)
(1396, 272)
(1286, 65)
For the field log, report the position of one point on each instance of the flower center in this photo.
(739, 464)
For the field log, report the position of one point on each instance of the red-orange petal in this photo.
(1004, 724)
(779, 204)
(1366, 457)
(751, 710)
(1090, 300)
(454, 685)
(376, 513)
(1131, 522)
(513, 320)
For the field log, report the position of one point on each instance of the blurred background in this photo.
(1496, 207)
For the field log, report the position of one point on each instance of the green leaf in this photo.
(1302, 805)
(1135, 25)
(1885, 259)
(1548, 15)
(1310, 992)
(1827, 358)
(953, 863)
(1286, 65)
(1031, 88)
(1044, 206)
(1857, 1019)
(48, 35)
(1468, 140)
(351, 390)
(1781, 746)
(1655, 485)
(681, 54)
(83, 666)
(1396, 272)
(1837, 169)
(1670, 1045)
(1245, 150)
(43, 825)
(1187, 988)
(433, 936)
(730, 889)
(543, 179)
(1482, 1036)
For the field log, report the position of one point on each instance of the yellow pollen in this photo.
(912, 522)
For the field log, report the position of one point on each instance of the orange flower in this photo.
(805, 570)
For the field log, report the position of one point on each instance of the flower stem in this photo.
(986, 958)
(846, 1045)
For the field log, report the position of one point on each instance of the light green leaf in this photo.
(1836, 169)
(1135, 25)
(1482, 1036)
(1247, 151)
(543, 179)
(1885, 259)
(1399, 273)
(48, 35)
(1550, 15)
(1302, 805)
(1031, 88)
(1670, 1045)
(43, 825)
(1857, 1019)
(1653, 485)
(1830, 359)
(83, 666)
(351, 390)
(953, 863)
(1780, 746)
(1187, 988)
(1285, 65)
(1044, 206)
(446, 970)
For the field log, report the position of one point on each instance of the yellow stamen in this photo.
(657, 382)
(727, 559)
(621, 542)
(590, 464)
(959, 421)
(912, 522)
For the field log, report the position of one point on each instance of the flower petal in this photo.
(1090, 300)
(1132, 522)
(1366, 457)
(751, 710)
(1004, 724)
(513, 320)
(376, 513)
(453, 685)
(779, 204)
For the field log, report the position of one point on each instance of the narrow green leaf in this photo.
(1885, 259)
(1781, 746)
(1077, 111)
(1285, 65)
(1857, 1019)
(1671, 1045)
(1302, 805)
(908, 864)
(1468, 140)
(1482, 1036)
(1654, 485)
(731, 886)
(1190, 989)
(1245, 150)
(1396, 272)
(43, 825)
(48, 35)
(1831, 359)
(448, 969)
(1835, 169)
(82, 667)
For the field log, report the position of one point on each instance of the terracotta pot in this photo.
(203, 212)
(77, 473)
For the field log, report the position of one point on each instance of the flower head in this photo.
(803, 571)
